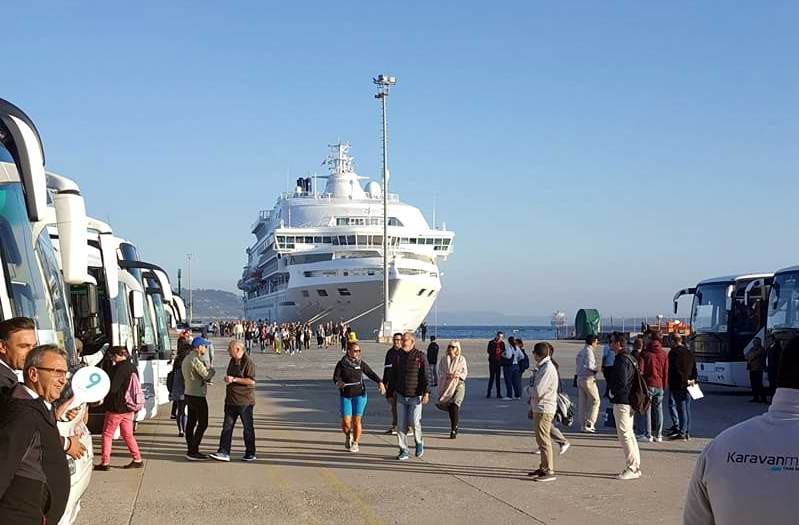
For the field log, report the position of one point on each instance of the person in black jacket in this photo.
(117, 412)
(348, 377)
(682, 373)
(391, 356)
(495, 349)
(432, 359)
(621, 382)
(34, 474)
(17, 339)
(410, 385)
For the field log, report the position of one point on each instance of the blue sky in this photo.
(597, 155)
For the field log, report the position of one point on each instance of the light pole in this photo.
(384, 84)
(188, 278)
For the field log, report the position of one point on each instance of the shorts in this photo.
(353, 406)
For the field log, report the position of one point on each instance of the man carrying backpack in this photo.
(622, 378)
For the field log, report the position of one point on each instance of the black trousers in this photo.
(756, 379)
(494, 373)
(232, 413)
(196, 422)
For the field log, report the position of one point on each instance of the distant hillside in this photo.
(215, 304)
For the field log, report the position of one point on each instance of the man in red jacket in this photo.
(654, 365)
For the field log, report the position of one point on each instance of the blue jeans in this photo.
(493, 377)
(682, 403)
(232, 413)
(513, 380)
(654, 414)
(409, 414)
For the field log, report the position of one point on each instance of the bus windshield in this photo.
(55, 285)
(160, 323)
(783, 305)
(709, 312)
(24, 279)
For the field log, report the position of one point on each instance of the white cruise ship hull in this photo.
(363, 307)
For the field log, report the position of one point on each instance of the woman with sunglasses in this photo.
(348, 377)
(452, 373)
(117, 413)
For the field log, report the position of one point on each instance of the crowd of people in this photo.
(288, 338)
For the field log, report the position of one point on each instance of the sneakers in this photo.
(196, 456)
(249, 458)
(563, 448)
(589, 430)
(354, 448)
(537, 472)
(680, 437)
(506, 398)
(403, 455)
(629, 474)
(134, 464)
(545, 477)
(391, 431)
(419, 450)
(220, 456)
(348, 441)
(646, 439)
(102, 468)
(659, 439)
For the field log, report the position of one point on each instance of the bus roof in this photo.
(733, 278)
(790, 269)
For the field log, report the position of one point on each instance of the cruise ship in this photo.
(318, 256)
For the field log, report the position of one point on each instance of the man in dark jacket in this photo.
(391, 357)
(17, 339)
(682, 373)
(432, 359)
(496, 347)
(409, 384)
(34, 475)
(621, 383)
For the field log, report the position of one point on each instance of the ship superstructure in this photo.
(318, 256)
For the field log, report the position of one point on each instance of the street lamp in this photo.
(188, 278)
(384, 84)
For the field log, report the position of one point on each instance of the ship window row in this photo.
(344, 292)
(366, 221)
(288, 242)
(357, 272)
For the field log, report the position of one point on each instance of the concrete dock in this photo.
(304, 475)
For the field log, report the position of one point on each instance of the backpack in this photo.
(134, 395)
(564, 413)
(524, 364)
(639, 394)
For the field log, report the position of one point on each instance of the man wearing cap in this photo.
(196, 377)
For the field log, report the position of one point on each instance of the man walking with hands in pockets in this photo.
(409, 383)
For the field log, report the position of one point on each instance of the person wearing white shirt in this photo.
(511, 358)
(747, 474)
(543, 402)
(588, 393)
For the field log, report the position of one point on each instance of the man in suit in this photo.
(17, 339)
(34, 474)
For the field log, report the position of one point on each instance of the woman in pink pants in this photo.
(117, 413)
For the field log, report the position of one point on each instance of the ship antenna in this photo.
(384, 84)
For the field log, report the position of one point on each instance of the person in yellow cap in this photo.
(352, 337)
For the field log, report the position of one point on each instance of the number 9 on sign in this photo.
(90, 384)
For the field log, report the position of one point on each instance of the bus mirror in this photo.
(137, 304)
(675, 307)
(71, 223)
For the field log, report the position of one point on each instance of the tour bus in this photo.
(782, 323)
(155, 346)
(31, 282)
(725, 321)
